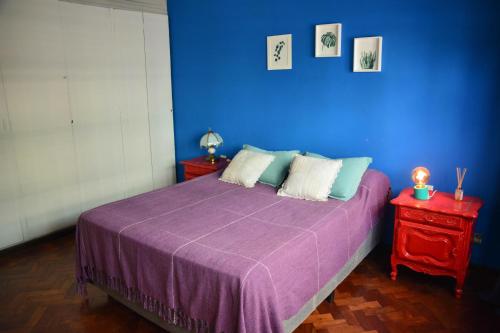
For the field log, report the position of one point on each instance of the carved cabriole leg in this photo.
(394, 265)
(460, 285)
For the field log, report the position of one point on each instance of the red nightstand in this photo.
(200, 166)
(434, 236)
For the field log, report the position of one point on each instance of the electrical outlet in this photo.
(478, 238)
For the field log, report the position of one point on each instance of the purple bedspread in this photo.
(215, 257)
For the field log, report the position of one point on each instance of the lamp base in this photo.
(421, 192)
(211, 158)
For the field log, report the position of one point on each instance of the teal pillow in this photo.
(347, 182)
(276, 172)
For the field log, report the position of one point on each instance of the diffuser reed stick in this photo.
(459, 192)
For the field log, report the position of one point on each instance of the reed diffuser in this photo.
(459, 192)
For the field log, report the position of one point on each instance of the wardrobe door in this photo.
(131, 100)
(88, 43)
(32, 60)
(161, 124)
(9, 219)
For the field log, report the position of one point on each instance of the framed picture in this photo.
(279, 52)
(367, 54)
(328, 39)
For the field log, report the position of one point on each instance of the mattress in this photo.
(208, 256)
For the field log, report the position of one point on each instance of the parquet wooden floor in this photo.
(37, 295)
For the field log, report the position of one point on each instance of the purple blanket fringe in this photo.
(171, 316)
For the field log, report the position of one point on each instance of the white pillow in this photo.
(310, 178)
(246, 168)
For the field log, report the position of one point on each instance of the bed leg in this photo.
(330, 298)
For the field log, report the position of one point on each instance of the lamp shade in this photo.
(211, 139)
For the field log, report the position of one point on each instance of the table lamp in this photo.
(210, 141)
(420, 177)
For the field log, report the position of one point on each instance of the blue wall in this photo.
(436, 102)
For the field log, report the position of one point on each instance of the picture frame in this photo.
(279, 52)
(367, 56)
(328, 40)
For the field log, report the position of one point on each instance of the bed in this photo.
(208, 256)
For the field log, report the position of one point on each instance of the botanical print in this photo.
(367, 54)
(279, 52)
(368, 59)
(278, 49)
(328, 38)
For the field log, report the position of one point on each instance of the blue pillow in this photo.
(347, 182)
(276, 172)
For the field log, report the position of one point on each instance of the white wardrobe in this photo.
(85, 111)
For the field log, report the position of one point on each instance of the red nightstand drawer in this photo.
(200, 166)
(197, 171)
(441, 220)
(189, 176)
(428, 245)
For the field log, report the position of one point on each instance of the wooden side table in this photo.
(199, 166)
(434, 236)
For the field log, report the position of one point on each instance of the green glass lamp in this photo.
(210, 141)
